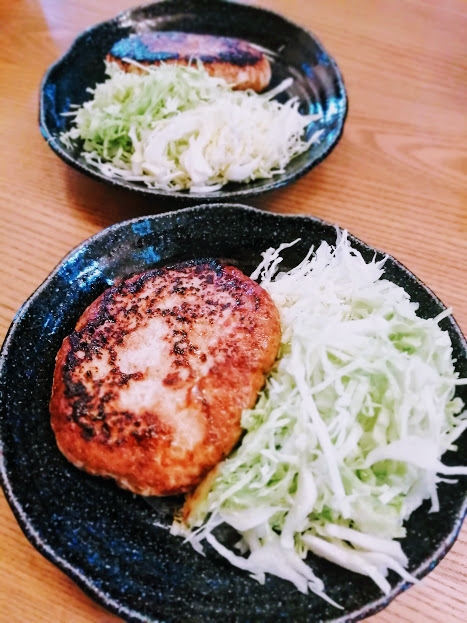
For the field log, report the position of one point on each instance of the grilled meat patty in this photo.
(150, 386)
(240, 63)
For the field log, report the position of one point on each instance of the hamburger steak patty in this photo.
(150, 386)
(238, 62)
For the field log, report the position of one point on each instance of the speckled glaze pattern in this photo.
(114, 544)
(297, 53)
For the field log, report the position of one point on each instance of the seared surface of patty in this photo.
(150, 387)
(240, 63)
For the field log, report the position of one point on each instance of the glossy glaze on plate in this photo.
(113, 544)
(297, 53)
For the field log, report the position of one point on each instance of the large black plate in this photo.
(317, 79)
(112, 543)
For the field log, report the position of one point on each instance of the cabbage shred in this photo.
(176, 127)
(345, 440)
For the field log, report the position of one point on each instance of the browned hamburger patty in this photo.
(240, 63)
(150, 386)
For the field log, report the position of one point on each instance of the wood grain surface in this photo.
(398, 180)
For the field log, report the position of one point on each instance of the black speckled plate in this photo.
(112, 543)
(317, 80)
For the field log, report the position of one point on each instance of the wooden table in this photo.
(398, 180)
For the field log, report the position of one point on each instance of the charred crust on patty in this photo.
(150, 386)
(238, 62)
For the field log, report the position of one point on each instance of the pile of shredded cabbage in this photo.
(174, 127)
(346, 437)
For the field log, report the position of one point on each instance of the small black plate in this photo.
(297, 53)
(111, 542)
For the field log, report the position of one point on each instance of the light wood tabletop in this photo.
(397, 180)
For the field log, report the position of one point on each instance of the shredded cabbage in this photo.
(175, 127)
(345, 440)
